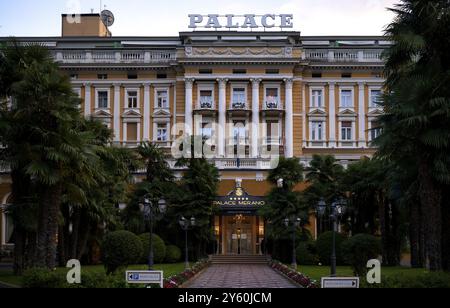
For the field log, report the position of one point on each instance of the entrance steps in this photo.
(239, 259)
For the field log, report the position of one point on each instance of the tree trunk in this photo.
(446, 229)
(53, 224)
(430, 197)
(83, 234)
(415, 234)
(41, 248)
(76, 217)
(19, 250)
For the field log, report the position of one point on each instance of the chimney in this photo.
(84, 25)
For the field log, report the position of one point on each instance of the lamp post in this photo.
(186, 225)
(295, 222)
(148, 206)
(337, 209)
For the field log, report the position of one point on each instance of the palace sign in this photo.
(248, 21)
(239, 202)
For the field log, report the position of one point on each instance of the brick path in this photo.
(240, 276)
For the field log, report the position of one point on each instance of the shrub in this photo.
(324, 246)
(307, 253)
(401, 281)
(39, 278)
(359, 249)
(173, 254)
(159, 248)
(120, 249)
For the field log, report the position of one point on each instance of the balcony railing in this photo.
(239, 105)
(341, 55)
(206, 103)
(107, 56)
(272, 105)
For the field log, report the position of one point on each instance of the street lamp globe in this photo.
(162, 205)
(298, 222)
(280, 183)
(321, 207)
(182, 222)
(286, 222)
(193, 222)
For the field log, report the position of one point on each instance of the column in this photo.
(361, 116)
(116, 124)
(289, 125)
(87, 100)
(222, 116)
(255, 117)
(189, 83)
(146, 135)
(332, 115)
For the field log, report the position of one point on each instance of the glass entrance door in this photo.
(240, 237)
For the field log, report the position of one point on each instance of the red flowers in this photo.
(295, 276)
(176, 281)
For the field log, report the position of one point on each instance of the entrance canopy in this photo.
(239, 202)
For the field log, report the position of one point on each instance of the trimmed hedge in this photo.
(324, 245)
(159, 248)
(173, 254)
(401, 281)
(359, 249)
(120, 249)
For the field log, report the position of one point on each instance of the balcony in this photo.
(344, 56)
(272, 107)
(206, 106)
(239, 108)
(113, 57)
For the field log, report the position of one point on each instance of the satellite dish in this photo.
(107, 18)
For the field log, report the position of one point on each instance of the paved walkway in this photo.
(240, 276)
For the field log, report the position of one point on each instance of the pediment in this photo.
(161, 113)
(375, 112)
(348, 112)
(317, 112)
(102, 114)
(131, 114)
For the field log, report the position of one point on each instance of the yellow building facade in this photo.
(248, 93)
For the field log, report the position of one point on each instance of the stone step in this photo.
(239, 259)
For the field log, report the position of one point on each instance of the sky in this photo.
(169, 17)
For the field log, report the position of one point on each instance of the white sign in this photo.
(248, 21)
(145, 277)
(340, 283)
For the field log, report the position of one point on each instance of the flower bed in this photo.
(295, 276)
(177, 281)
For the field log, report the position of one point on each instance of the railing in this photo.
(272, 105)
(239, 105)
(110, 56)
(343, 55)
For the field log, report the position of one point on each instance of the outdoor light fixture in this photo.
(295, 223)
(337, 210)
(148, 207)
(186, 225)
(280, 183)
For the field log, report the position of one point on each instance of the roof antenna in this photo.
(92, 11)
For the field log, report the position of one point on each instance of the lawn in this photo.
(169, 270)
(317, 272)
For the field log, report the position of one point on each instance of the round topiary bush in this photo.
(359, 249)
(173, 254)
(307, 253)
(324, 246)
(119, 249)
(159, 248)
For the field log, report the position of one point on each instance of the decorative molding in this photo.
(279, 52)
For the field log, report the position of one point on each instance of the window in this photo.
(239, 71)
(132, 132)
(272, 100)
(346, 99)
(207, 131)
(273, 132)
(9, 228)
(73, 76)
(346, 75)
(239, 133)
(316, 75)
(347, 131)
(206, 99)
(317, 131)
(272, 71)
(317, 99)
(205, 71)
(132, 99)
(375, 98)
(132, 76)
(239, 99)
(102, 76)
(162, 99)
(161, 76)
(102, 99)
(375, 131)
(161, 132)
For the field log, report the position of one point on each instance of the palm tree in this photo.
(416, 121)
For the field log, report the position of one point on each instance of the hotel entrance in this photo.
(239, 235)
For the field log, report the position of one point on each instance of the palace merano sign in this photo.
(247, 21)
